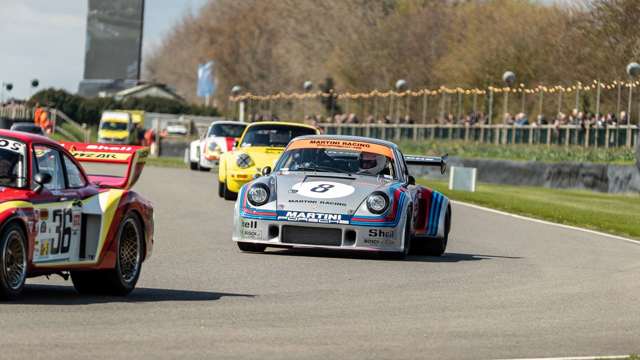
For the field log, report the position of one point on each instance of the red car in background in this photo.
(56, 219)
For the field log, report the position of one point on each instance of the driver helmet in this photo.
(372, 163)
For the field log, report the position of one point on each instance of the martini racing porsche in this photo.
(260, 146)
(56, 219)
(341, 192)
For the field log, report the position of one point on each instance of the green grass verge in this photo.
(541, 153)
(172, 162)
(614, 214)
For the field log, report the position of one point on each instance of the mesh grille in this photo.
(311, 235)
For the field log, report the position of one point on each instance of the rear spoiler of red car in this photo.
(440, 161)
(133, 157)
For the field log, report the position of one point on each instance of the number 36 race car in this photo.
(55, 219)
(348, 193)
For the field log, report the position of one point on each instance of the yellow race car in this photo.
(260, 145)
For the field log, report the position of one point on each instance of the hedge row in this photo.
(88, 110)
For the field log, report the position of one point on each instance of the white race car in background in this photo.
(219, 138)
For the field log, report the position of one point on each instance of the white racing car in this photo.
(220, 137)
(348, 193)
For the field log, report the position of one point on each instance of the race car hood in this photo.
(224, 143)
(325, 193)
(260, 156)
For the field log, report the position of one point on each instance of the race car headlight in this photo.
(258, 194)
(243, 161)
(377, 202)
(212, 147)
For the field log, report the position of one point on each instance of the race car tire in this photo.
(121, 280)
(193, 165)
(202, 168)
(228, 194)
(251, 247)
(220, 189)
(437, 246)
(13, 272)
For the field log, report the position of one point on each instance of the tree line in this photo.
(270, 46)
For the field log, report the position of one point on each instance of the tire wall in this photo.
(589, 176)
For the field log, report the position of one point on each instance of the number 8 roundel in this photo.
(323, 189)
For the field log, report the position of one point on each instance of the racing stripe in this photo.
(436, 219)
(230, 142)
(435, 204)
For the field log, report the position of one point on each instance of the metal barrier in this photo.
(564, 135)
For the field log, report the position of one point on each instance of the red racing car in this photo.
(56, 219)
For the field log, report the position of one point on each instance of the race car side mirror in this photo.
(266, 170)
(412, 180)
(41, 179)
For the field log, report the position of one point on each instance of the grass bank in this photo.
(166, 161)
(614, 214)
(541, 153)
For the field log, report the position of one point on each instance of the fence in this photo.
(565, 135)
(611, 105)
(62, 124)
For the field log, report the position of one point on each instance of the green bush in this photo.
(88, 110)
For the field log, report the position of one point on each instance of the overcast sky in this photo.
(45, 39)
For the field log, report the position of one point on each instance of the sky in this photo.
(45, 39)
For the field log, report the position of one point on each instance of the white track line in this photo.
(635, 242)
(605, 357)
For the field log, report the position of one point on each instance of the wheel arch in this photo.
(15, 219)
(222, 168)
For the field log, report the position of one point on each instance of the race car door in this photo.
(59, 209)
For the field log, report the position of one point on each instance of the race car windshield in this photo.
(273, 135)
(118, 126)
(339, 161)
(227, 130)
(12, 165)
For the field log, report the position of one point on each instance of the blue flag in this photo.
(206, 85)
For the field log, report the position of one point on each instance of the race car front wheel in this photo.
(193, 165)
(121, 280)
(228, 194)
(220, 189)
(13, 273)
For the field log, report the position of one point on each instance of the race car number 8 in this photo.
(323, 189)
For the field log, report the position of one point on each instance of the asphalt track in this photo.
(507, 288)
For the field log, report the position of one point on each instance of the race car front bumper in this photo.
(208, 163)
(317, 235)
(238, 177)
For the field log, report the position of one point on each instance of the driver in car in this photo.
(7, 176)
(373, 164)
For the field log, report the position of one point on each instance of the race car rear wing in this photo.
(133, 157)
(440, 161)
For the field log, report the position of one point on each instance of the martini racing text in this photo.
(310, 217)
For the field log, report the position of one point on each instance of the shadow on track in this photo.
(346, 254)
(66, 295)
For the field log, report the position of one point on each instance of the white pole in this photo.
(241, 111)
